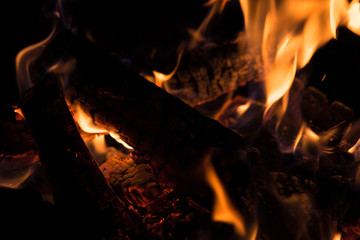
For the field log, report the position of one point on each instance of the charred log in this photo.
(165, 132)
(82, 196)
(210, 71)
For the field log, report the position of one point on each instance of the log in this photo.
(210, 71)
(86, 204)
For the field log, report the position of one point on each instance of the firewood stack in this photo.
(159, 191)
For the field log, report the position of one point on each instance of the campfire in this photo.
(246, 126)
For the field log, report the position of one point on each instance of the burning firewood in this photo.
(210, 71)
(18, 150)
(82, 195)
(172, 140)
(163, 131)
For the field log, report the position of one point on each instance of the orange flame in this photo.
(23, 60)
(87, 125)
(337, 236)
(119, 140)
(223, 210)
(353, 148)
(19, 111)
(85, 122)
(243, 108)
(197, 35)
(354, 17)
(161, 77)
(289, 32)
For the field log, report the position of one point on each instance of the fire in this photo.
(337, 236)
(161, 77)
(243, 108)
(197, 35)
(85, 121)
(19, 111)
(354, 17)
(289, 32)
(23, 60)
(119, 140)
(353, 148)
(223, 210)
(87, 125)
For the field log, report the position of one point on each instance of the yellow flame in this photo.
(87, 125)
(197, 35)
(98, 142)
(23, 60)
(289, 32)
(85, 121)
(337, 236)
(243, 108)
(223, 211)
(353, 148)
(19, 111)
(119, 140)
(161, 77)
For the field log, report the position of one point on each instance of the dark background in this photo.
(145, 33)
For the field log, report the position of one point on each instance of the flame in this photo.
(243, 108)
(197, 35)
(353, 148)
(85, 121)
(298, 137)
(19, 111)
(337, 236)
(161, 77)
(98, 142)
(254, 232)
(87, 125)
(223, 210)
(16, 179)
(119, 140)
(23, 60)
(289, 32)
(354, 17)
